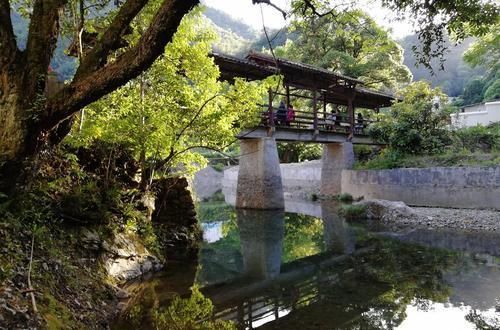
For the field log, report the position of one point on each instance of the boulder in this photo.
(387, 210)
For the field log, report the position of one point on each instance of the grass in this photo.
(353, 211)
(448, 159)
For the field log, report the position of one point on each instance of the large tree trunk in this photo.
(12, 120)
(27, 118)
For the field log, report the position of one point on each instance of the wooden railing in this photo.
(317, 122)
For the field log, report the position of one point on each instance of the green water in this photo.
(277, 270)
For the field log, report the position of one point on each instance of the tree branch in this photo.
(42, 39)
(8, 47)
(110, 40)
(115, 74)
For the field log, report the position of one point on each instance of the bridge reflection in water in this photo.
(270, 289)
(266, 288)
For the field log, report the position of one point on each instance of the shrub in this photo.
(478, 137)
(416, 125)
(345, 198)
(353, 211)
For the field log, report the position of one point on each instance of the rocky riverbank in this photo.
(398, 216)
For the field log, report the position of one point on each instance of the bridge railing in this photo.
(306, 120)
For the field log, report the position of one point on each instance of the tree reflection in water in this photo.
(283, 271)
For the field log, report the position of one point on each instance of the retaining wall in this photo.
(456, 187)
(300, 180)
(461, 187)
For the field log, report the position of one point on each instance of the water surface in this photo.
(310, 269)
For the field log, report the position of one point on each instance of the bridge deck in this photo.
(292, 134)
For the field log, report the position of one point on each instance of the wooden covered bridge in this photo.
(324, 92)
(326, 114)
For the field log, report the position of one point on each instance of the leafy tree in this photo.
(455, 73)
(174, 108)
(432, 19)
(352, 44)
(298, 152)
(416, 125)
(484, 52)
(473, 91)
(108, 60)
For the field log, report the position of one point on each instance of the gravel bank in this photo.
(397, 215)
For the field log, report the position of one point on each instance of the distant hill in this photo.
(456, 72)
(228, 23)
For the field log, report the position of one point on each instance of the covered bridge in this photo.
(332, 100)
(327, 115)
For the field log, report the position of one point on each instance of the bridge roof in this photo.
(336, 88)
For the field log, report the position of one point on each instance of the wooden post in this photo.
(315, 112)
(324, 106)
(287, 87)
(270, 114)
(350, 113)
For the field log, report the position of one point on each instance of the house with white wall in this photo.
(477, 114)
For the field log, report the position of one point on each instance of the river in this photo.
(307, 268)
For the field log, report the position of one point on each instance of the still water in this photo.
(308, 268)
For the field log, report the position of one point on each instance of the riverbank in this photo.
(76, 233)
(398, 216)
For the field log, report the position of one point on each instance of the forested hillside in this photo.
(456, 73)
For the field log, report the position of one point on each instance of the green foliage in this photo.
(191, 313)
(290, 152)
(456, 72)
(473, 92)
(353, 211)
(416, 125)
(453, 157)
(485, 51)
(345, 198)
(351, 44)
(492, 91)
(176, 107)
(303, 237)
(478, 137)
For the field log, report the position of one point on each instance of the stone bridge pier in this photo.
(336, 157)
(259, 177)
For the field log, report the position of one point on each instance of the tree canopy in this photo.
(175, 107)
(352, 44)
(108, 59)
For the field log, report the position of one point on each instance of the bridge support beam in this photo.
(336, 157)
(259, 177)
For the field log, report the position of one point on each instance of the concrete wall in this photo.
(299, 180)
(461, 187)
(478, 114)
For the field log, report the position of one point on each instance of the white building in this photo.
(477, 114)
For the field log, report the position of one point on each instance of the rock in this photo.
(121, 306)
(121, 293)
(379, 209)
(45, 267)
(90, 240)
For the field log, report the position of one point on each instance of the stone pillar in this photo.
(261, 239)
(336, 157)
(259, 177)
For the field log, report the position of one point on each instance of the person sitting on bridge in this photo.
(281, 114)
(290, 115)
(331, 119)
(359, 124)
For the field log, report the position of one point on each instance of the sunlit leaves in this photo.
(177, 106)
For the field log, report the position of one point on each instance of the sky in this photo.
(250, 14)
